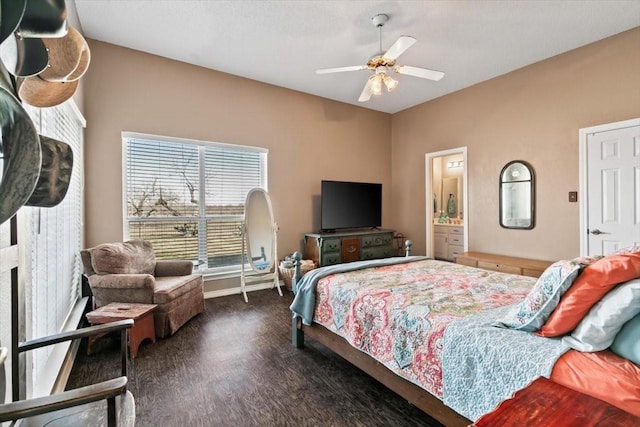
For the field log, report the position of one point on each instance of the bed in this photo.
(435, 333)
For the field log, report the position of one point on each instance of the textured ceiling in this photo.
(284, 42)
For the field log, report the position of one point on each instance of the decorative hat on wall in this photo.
(42, 93)
(55, 173)
(11, 13)
(43, 18)
(69, 58)
(45, 55)
(21, 155)
(42, 60)
(23, 57)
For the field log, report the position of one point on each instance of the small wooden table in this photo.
(142, 315)
(546, 403)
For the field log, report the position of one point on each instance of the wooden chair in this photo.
(84, 406)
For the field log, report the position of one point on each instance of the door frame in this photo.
(583, 135)
(428, 159)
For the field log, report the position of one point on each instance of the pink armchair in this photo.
(129, 272)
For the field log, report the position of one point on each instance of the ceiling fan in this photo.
(382, 63)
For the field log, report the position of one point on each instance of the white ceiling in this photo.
(284, 42)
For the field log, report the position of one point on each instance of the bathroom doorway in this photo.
(446, 202)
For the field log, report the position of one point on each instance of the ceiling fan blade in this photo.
(423, 73)
(366, 92)
(341, 69)
(403, 43)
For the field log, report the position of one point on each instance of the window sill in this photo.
(220, 275)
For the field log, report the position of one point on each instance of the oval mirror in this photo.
(259, 231)
(517, 196)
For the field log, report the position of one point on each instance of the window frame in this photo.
(202, 219)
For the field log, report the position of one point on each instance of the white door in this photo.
(613, 189)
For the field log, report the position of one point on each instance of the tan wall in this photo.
(309, 138)
(531, 114)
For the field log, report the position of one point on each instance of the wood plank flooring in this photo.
(234, 365)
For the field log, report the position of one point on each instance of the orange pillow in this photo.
(592, 284)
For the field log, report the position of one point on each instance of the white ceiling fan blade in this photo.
(341, 69)
(403, 43)
(423, 73)
(366, 92)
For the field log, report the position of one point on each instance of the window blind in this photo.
(187, 197)
(56, 238)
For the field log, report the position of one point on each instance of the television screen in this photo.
(350, 205)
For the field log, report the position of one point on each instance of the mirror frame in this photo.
(532, 189)
(248, 224)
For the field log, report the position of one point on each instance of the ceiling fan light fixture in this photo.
(389, 82)
(375, 86)
(385, 62)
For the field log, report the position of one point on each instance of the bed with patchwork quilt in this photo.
(454, 340)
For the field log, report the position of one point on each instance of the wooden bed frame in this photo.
(415, 395)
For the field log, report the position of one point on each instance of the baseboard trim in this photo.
(238, 290)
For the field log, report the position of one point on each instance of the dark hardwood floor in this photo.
(234, 365)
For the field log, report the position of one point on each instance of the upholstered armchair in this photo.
(129, 272)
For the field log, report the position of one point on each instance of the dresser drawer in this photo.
(331, 245)
(379, 252)
(376, 240)
(456, 240)
(454, 251)
(350, 249)
(466, 261)
(499, 267)
(331, 258)
(456, 230)
(442, 229)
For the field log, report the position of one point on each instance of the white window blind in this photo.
(187, 197)
(56, 238)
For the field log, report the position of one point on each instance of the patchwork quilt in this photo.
(398, 313)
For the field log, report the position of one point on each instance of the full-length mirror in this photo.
(517, 196)
(259, 230)
(259, 240)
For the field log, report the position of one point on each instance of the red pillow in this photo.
(593, 283)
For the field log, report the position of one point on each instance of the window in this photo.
(187, 197)
(49, 273)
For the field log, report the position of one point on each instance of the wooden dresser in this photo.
(348, 246)
(505, 264)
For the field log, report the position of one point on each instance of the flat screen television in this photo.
(350, 205)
